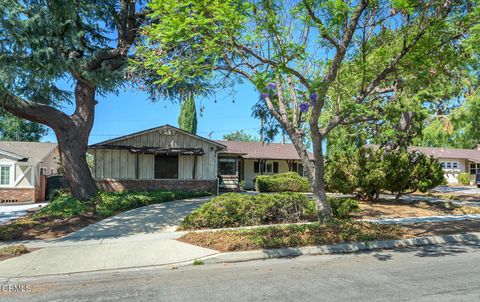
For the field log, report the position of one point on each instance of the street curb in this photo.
(342, 248)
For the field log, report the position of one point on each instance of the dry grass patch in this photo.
(293, 236)
(392, 209)
(12, 251)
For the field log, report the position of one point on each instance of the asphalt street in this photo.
(435, 273)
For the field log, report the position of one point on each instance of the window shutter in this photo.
(256, 167)
(275, 167)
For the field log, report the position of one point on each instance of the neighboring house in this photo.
(159, 158)
(23, 167)
(243, 161)
(455, 161)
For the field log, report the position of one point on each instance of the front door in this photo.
(166, 166)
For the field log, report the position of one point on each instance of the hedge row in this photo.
(234, 210)
(284, 182)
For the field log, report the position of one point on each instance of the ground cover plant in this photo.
(66, 214)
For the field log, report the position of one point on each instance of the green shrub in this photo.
(234, 210)
(464, 178)
(63, 205)
(283, 182)
(343, 208)
(108, 204)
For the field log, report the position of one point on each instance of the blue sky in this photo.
(132, 111)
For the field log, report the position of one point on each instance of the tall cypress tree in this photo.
(187, 120)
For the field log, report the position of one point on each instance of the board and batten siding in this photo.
(121, 164)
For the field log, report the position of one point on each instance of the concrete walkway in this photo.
(409, 220)
(140, 237)
(13, 211)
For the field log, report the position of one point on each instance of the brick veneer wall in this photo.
(17, 195)
(115, 185)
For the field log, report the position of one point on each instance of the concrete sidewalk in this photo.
(95, 257)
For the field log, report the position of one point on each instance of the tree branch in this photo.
(320, 25)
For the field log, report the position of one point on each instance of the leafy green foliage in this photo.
(63, 205)
(187, 119)
(368, 172)
(282, 182)
(343, 208)
(240, 136)
(45, 42)
(234, 210)
(108, 204)
(13, 128)
(464, 178)
(317, 65)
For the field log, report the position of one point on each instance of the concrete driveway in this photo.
(10, 212)
(136, 238)
(466, 190)
(145, 221)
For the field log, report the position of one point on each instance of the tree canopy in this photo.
(317, 65)
(13, 128)
(47, 46)
(240, 136)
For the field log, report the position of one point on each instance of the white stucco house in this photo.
(23, 169)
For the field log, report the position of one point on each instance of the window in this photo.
(227, 166)
(275, 167)
(443, 165)
(166, 166)
(256, 167)
(473, 169)
(449, 165)
(300, 169)
(455, 165)
(268, 168)
(4, 175)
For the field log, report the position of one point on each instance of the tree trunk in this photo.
(316, 175)
(72, 133)
(73, 149)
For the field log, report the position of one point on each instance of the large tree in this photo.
(317, 64)
(187, 119)
(46, 46)
(13, 128)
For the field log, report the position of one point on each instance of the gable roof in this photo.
(29, 152)
(156, 129)
(259, 150)
(470, 154)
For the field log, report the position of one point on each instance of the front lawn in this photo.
(293, 235)
(65, 214)
(315, 234)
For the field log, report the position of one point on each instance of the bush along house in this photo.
(159, 158)
(242, 162)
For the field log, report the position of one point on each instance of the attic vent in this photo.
(166, 132)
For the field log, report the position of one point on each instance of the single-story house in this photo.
(164, 157)
(169, 158)
(244, 161)
(454, 161)
(23, 168)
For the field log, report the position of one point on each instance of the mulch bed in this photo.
(254, 239)
(26, 228)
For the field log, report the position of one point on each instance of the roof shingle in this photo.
(259, 150)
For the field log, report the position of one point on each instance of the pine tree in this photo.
(187, 120)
